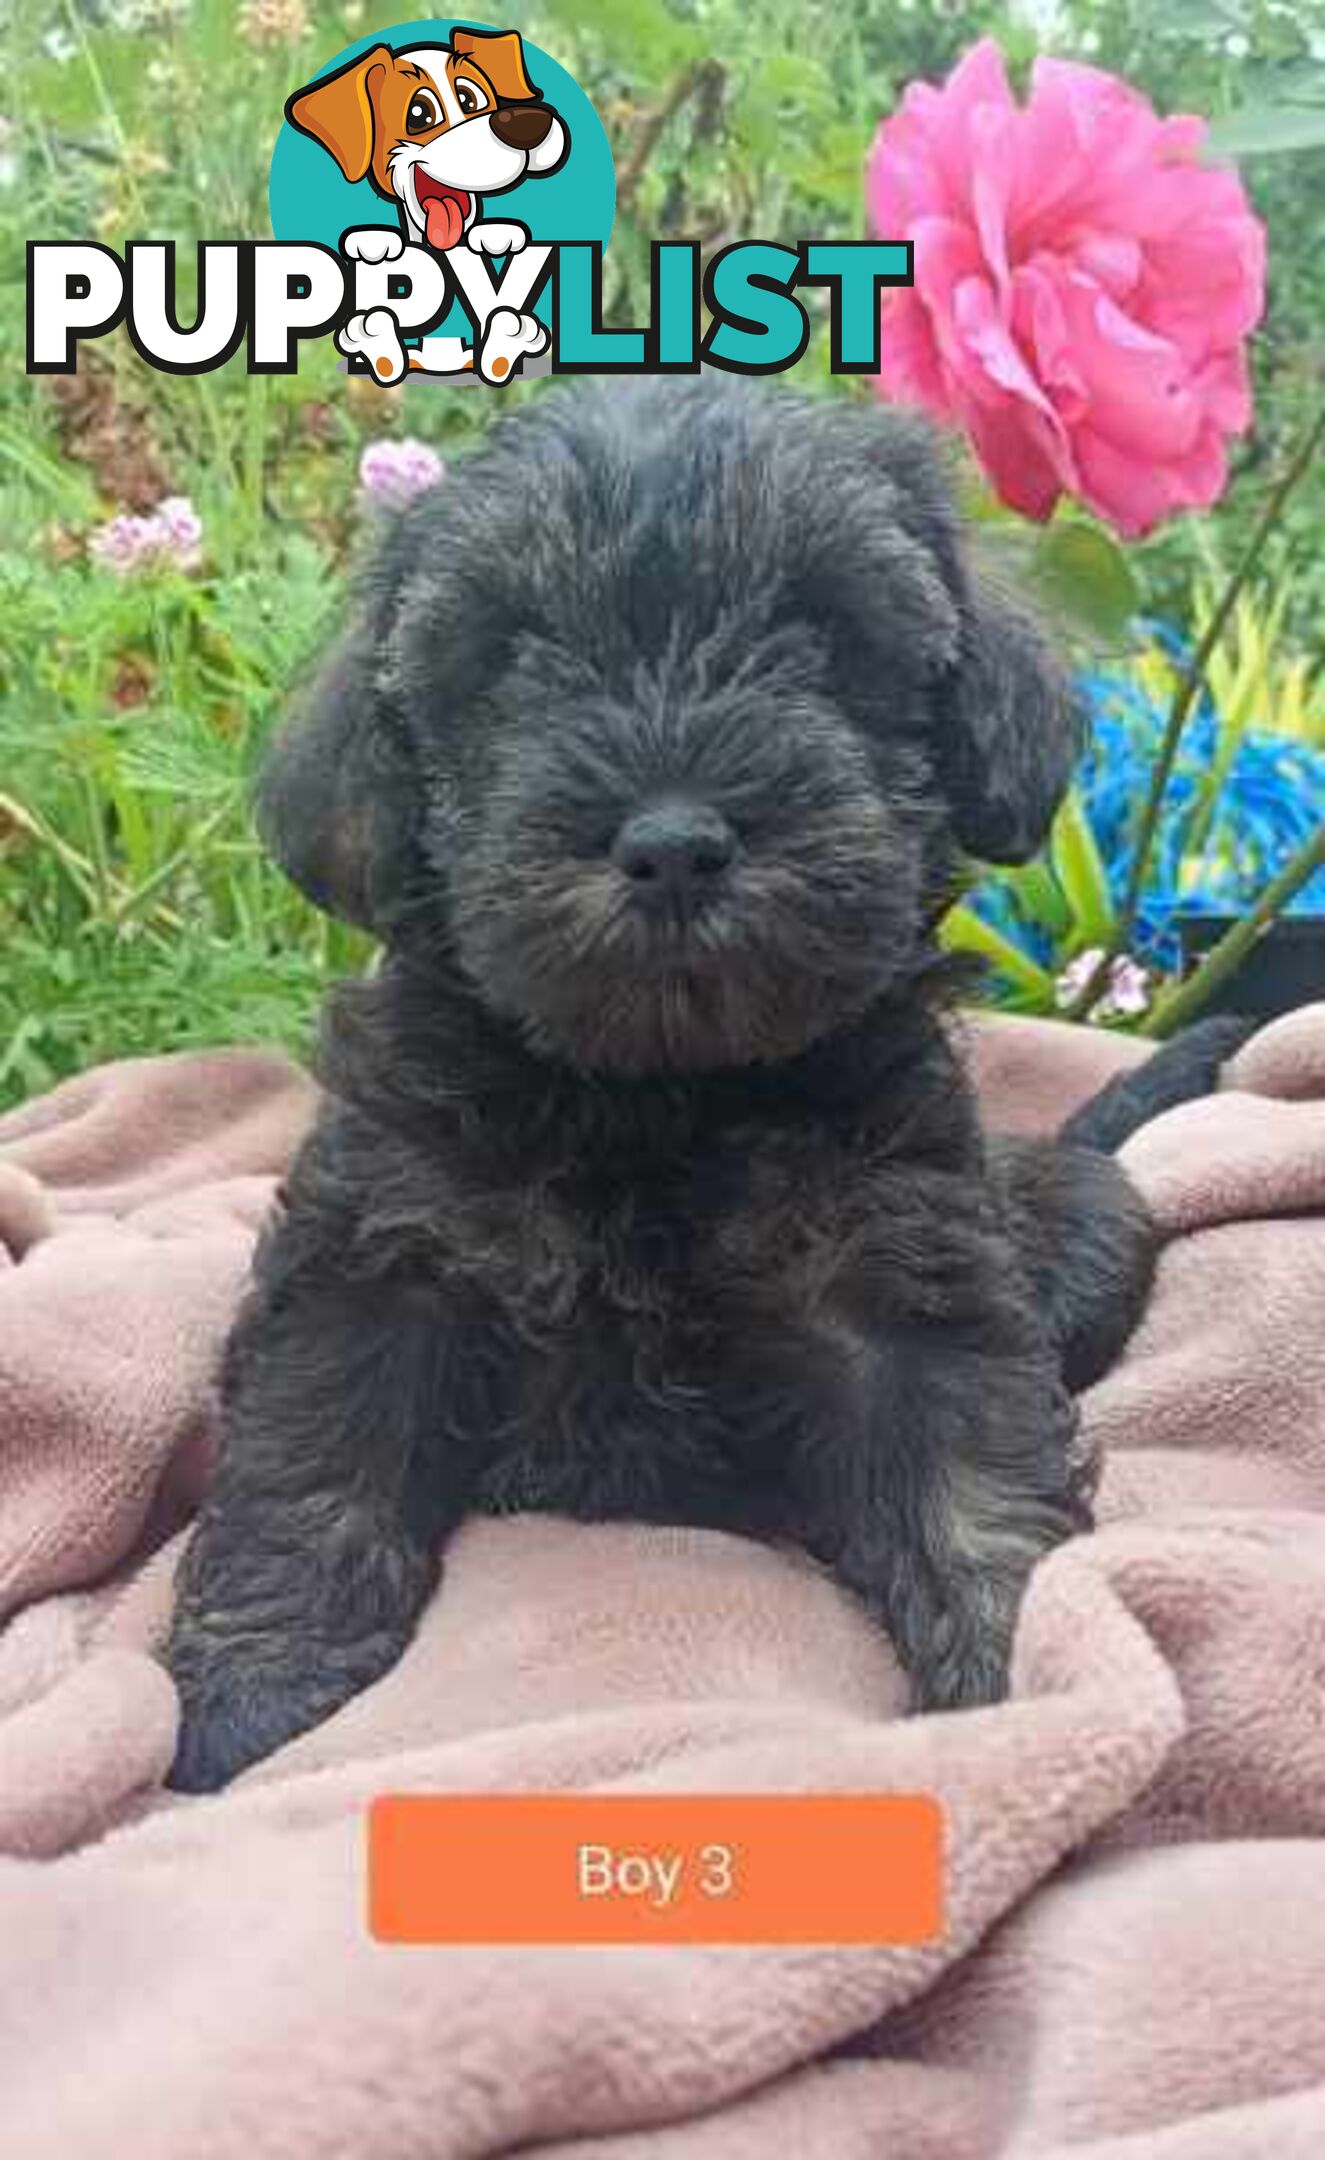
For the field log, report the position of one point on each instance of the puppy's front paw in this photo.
(1182, 1070)
(497, 236)
(374, 244)
(961, 1672)
(241, 1701)
(225, 1727)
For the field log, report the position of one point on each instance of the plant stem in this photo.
(700, 75)
(1182, 1004)
(98, 852)
(131, 903)
(1186, 692)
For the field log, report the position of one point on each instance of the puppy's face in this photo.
(434, 128)
(677, 677)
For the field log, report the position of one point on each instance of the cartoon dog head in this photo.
(435, 127)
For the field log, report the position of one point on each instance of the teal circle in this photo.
(311, 199)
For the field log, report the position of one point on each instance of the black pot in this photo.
(1285, 967)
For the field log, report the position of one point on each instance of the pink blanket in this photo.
(1135, 1963)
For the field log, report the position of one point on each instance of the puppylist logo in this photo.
(441, 196)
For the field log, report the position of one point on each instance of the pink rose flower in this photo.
(1083, 287)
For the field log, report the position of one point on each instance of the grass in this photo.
(136, 909)
(137, 913)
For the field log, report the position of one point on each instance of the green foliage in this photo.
(1254, 680)
(1025, 986)
(1085, 576)
(1256, 68)
(1064, 892)
(135, 907)
(1267, 130)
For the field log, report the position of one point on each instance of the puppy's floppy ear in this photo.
(871, 499)
(338, 797)
(339, 111)
(500, 54)
(1009, 729)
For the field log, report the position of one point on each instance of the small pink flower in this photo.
(182, 529)
(121, 544)
(273, 22)
(1084, 288)
(1126, 992)
(1069, 985)
(392, 473)
(169, 538)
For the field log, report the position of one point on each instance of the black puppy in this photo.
(648, 1183)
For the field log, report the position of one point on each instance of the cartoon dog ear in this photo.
(338, 797)
(500, 54)
(337, 111)
(1009, 729)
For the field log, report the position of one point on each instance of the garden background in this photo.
(136, 911)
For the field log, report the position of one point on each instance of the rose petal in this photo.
(1084, 286)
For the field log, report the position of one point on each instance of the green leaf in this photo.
(965, 931)
(69, 488)
(1081, 873)
(794, 79)
(1267, 131)
(1039, 898)
(1081, 570)
(179, 756)
(1299, 81)
(644, 33)
(1193, 19)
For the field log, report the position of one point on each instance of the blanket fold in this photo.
(1134, 1965)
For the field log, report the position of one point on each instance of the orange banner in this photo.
(655, 1868)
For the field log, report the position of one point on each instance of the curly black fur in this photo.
(643, 1198)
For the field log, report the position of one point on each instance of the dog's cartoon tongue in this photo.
(445, 222)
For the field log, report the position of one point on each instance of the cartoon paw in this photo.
(376, 337)
(508, 338)
(497, 237)
(374, 244)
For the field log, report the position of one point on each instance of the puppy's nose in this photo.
(521, 127)
(674, 850)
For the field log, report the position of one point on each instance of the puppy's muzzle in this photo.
(674, 855)
(521, 127)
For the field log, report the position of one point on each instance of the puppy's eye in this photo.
(468, 96)
(424, 112)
